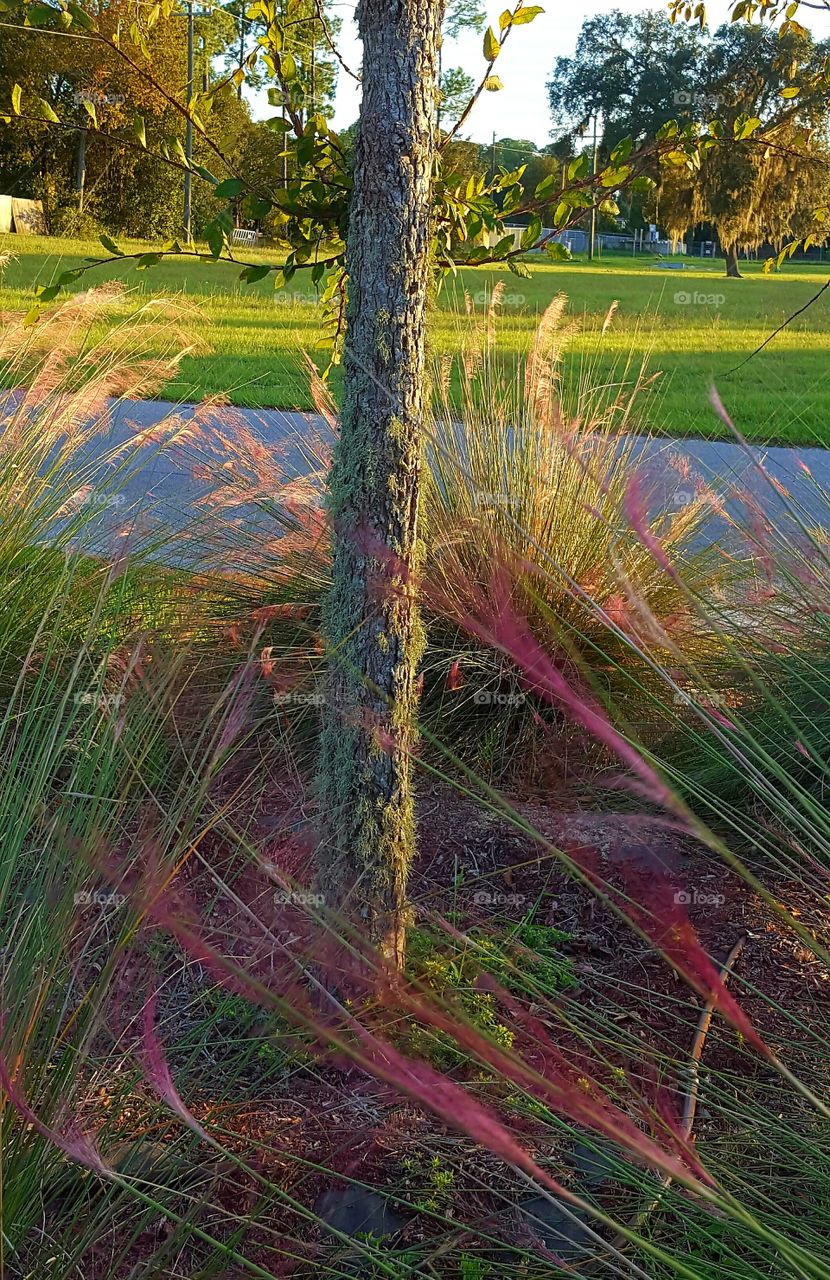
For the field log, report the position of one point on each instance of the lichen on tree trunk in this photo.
(371, 625)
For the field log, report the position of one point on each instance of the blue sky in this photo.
(520, 110)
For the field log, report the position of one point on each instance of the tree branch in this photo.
(780, 328)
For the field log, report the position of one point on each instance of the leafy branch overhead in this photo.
(311, 210)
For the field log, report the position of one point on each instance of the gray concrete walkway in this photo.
(162, 485)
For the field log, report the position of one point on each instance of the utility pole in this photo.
(188, 145)
(80, 169)
(593, 206)
(493, 161)
(312, 106)
(241, 46)
(284, 151)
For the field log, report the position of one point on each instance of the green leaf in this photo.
(505, 20)
(38, 15)
(615, 177)
(251, 274)
(491, 45)
(47, 112)
(527, 15)
(216, 232)
(622, 150)
(578, 168)
(206, 174)
(229, 188)
(17, 94)
(89, 108)
(46, 292)
(215, 239)
(259, 207)
(80, 17)
(532, 232)
(745, 126)
(546, 186)
(147, 260)
(518, 268)
(288, 67)
(110, 245)
(140, 131)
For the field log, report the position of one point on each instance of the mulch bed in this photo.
(323, 1123)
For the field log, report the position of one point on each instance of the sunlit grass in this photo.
(255, 336)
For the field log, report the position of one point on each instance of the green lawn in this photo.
(255, 336)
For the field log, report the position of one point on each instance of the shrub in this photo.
(534, 475)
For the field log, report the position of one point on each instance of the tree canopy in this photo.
(764, 94)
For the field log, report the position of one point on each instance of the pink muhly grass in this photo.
(157, 1072)
(758, 529)
(455, 676)
(75, 1144)
(363, 1049)
(586, 1102)
(267, 664)
(634, 506)
(652, 903)
(547, 1075)
(501, 627)
(240, 704)
(453, 1104)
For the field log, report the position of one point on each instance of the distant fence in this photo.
(241, 235)
(577, 241)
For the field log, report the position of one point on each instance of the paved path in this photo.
(162, 485)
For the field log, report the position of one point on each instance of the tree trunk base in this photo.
(733, 270)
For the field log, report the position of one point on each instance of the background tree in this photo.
(455, 84)
(630, 69)
(775, 89)
(454, 94)
(640, 72)
(111, 179)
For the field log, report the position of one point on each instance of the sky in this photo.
(520, 110)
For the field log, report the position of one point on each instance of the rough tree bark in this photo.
(733, 270)
(371, 624)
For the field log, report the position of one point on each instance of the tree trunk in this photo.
(371, 625)
(730, 253)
